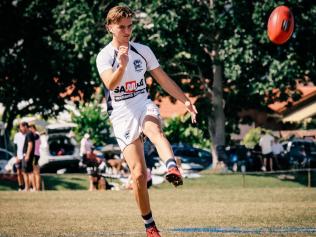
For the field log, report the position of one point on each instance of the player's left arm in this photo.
(174, 90)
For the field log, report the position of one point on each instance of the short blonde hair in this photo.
(118, 13)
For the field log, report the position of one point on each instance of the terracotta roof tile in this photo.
(169, 109)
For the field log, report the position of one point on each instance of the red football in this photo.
(280, 25)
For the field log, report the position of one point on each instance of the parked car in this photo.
(241, 158)
(5, 157)
(58, 149)
(192, 158)
(299, 153)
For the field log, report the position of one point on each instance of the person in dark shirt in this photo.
(27, 162)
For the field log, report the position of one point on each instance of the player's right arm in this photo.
(112, 79)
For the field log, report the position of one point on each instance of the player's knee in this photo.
(139, 177)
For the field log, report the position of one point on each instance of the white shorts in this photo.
(128, 125)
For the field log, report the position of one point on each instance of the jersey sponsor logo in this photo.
(130, 87)
(138, 65)
(129, 95)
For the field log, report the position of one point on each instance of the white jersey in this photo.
(19, 139)
(132, 90)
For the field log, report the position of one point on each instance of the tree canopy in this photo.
(47, 46)
(47, 51)
(185, 33)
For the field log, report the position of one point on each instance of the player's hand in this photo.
(192, 110)
(122, 56)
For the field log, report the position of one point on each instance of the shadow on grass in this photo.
(8, 182)
(299, 177)
(51, 182)
(55, 182)
(7, 185)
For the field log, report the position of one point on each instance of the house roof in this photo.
(307, 93)
(302, 113)
(169, 109)
(304, 108)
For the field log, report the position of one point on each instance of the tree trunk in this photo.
(217, 118)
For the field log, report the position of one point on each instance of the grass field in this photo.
(266, 207)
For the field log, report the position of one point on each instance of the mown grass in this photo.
(211, 201)
(208, 179)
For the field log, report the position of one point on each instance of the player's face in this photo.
(122, 31)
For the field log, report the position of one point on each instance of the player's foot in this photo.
(152, 232)
(174, 176)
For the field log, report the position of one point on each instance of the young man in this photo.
(122, 65)
(18, 141)
(27, 162)
(266, 148)
(36, 168)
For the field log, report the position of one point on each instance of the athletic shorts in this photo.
(128, 126)
(27, 166)
(18, 165)
(36, 159)
(268, 156)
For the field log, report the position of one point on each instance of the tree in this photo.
(223, 43)
(47, 52)
(180, 130)
(48, 46)
(27, 75)
(91, 120)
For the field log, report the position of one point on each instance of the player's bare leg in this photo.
(134, 156)
(152, 129)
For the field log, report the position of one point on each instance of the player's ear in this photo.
(108, 28)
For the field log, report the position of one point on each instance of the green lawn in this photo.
(213, 201)
(208, 179)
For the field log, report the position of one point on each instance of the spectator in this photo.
(18, 141)
(277, 150)
(28, 157)
(303, 158)
(36, 168)
(266, 150)
(85, 147)
(95, 167)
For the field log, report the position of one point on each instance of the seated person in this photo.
(95, 167)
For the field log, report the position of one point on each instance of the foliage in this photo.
(184, 33)
(91, 120)
(28, 65)
(251, 139)
(49, 46)
(179, 130)
(47, 54)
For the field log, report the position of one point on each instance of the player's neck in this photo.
(116, 44)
